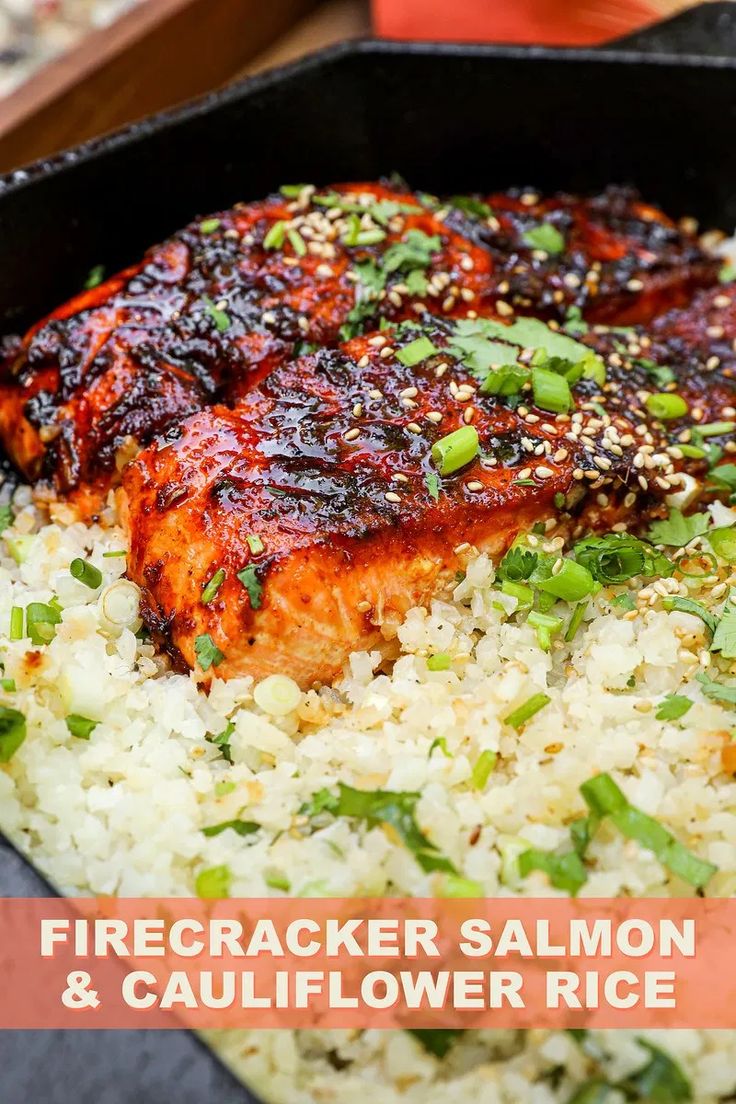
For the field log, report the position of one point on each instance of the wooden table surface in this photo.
(160, 54)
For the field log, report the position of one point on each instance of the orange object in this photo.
(552, 22)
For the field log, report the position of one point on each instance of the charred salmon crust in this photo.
(219, 305)
(319, 512)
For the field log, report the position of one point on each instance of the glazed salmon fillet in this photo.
(219, 305)
(302, 525)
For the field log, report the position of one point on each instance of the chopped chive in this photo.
(440, 661)
(81, 727)
(692, 452)
(115, 554)
(249, 578)
(666, 406)
(551, 391)
(571, 583)
(455, 450)
(41, 622)
(86, 573)
(8, 685)
(210, 590)
(240, 827)
(524, 595)
(416, 351)
(575, 621)
(519, 717)
(483, 768)
(16, 623)
(255, 544)
(276, 236)
(209, 225)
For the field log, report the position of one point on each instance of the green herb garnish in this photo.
(207, 652)
(249, 578)
(523, 713)
(86, 572)
(81, 727)
(213, 883)
(209, 592)
(12, 732)
(546, 237)
(241, 827)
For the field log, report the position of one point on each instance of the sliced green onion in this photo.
(297, 242)
(440, 661)
(689, 605)
(715, 429)
(692, 452)
(723, 542)
(41, 622)
(240, 827)
(571, 583)
(209, 225)
(222, 789)
(81, 727)
(86, 573)
(666, 406)
(707, 565)
(524, 595)
(114, 555)
(546, 625)
(213, 882)
(277, 880)
(292, 191)
(8, 685)
(12, 732)
(16, 623)
(551, 391)
(564, 871)
(602, 796)
(483, 769)
(523, 713)
(276, 236)
(278, 695)
(19, 547)
(455, 450)
(416, 351)
(255, 544)
(575, 621)
(454, 885)
(605, 798)
(209, 592)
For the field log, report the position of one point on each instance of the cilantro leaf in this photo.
(564, 871)
(618, 557)
(414, 251)
(517, 565)
(432, 480)
(436, 1040)
(222, 741)
(249, 578)
(678, 530)
(470, 205)
(660, 1081)
(545, 237)
(724, 638)
(6, 518)
(716, 691)
(387, 807)
(673, 707)
(207, 652)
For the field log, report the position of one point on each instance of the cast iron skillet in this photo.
(656, 110)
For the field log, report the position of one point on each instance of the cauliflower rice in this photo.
(122, 812)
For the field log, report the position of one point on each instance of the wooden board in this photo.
(158, 55)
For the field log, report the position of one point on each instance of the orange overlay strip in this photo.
(386, 963)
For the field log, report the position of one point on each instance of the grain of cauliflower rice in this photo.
(119, 807)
